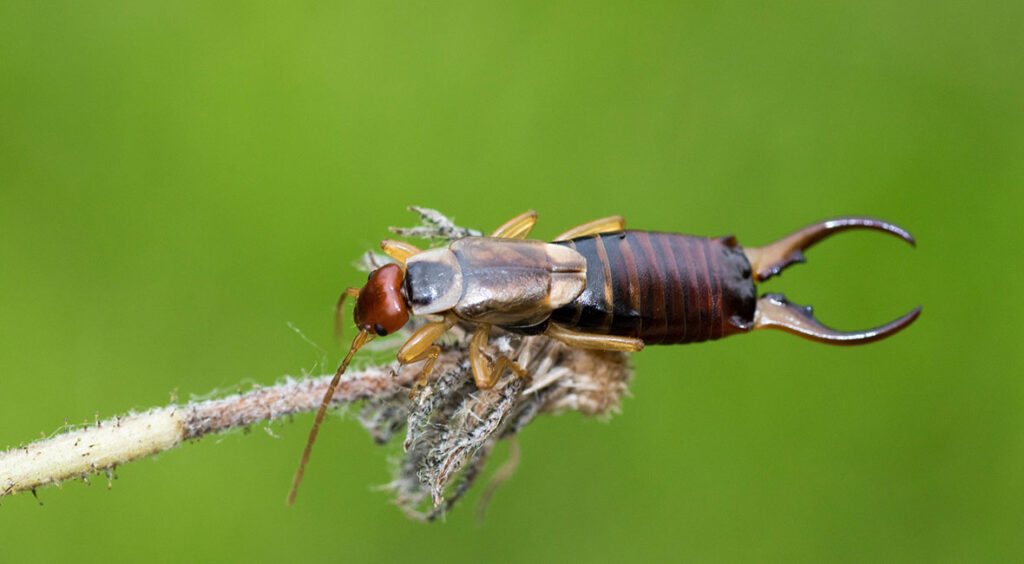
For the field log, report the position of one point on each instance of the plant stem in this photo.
(110, 443)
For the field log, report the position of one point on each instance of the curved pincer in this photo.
(769, 260)
(774, 311)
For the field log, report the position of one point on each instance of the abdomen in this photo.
(661, 287)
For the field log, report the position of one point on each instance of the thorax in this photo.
(508, 282)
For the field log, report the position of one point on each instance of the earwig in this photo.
(596, 286)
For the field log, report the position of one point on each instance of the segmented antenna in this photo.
(361, 339)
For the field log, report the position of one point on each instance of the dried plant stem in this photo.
(113, 442)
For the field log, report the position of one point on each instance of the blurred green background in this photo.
(179, 182)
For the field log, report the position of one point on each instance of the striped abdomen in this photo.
(661, 287)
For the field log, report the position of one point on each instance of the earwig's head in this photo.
(380, 307)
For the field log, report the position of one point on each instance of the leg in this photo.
(484, 373)
(398, 250)
(349, 292)
(421, 345)
(603, 225)
(580, 340)
(518, 227)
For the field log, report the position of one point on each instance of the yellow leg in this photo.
(518, 227)
(603, 225)
(349, 292)
(420, 345)
(582, 340)
(398, 250)
(484, 373)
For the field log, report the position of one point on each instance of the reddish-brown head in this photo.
(381, 308)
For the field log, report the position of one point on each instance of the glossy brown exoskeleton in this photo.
(595, 286)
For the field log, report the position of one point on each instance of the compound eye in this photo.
(379, 329)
